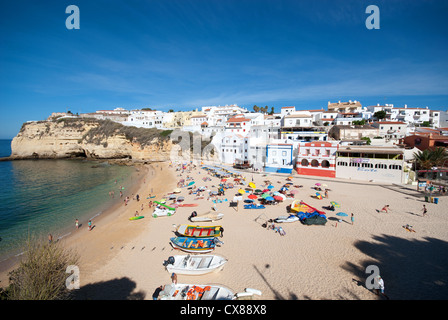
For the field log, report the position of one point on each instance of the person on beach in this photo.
(352, 219)
(77, 224)
(425, 211)
(385, 208)
(174, 278)
(326, 193)
(90, 225)
(156, 293)
(50, 238)
(380, 289)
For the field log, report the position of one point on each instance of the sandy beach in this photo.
(122, 259)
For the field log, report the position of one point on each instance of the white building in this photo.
(233, 148)
(298, 119)
(391, 129)
(279, 158)
(146, 119)
(370, 163)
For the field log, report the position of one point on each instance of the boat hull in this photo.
(193, 245)
(196, 264)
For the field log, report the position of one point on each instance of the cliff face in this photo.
(94, 139)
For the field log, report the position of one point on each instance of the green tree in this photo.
(368, 141)
(426, 159)
(359, 122)
(256, 108)
(380, 114)
(272, 111)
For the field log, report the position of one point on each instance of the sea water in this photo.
(38, 197)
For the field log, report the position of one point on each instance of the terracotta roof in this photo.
(391, 122)
(238, 119)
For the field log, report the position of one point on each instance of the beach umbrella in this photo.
(335, 204)
(265, 190)
(172, 196)
(276, 193)
(258, 190)
(265, 195)
(283, 189)
(342, 214)
(294, 191)
(241, 191)
(270, 186)
(278, 198)
(252, 185)
(318, 184)
(269, 198)
(191, 183)
(252, 196)
(223, 180)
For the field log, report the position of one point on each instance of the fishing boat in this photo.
(187, 230)
(206, 217)
(194, 264)
(194, 245)
(181, 291)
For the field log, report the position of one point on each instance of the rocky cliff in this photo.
(92, 139)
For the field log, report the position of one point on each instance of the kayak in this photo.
(188, 205)
(136, 218)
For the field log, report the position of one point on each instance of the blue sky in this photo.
(184, 54)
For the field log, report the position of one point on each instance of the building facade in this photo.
(317, 159)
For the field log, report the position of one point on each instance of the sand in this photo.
(122, 259)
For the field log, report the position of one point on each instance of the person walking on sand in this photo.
(380, 289)
(425, 211)
(90, 225)
(50, 238)
(385, 208)
(352, 219)
(77, 224)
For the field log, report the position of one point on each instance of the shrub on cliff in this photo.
(41, 275)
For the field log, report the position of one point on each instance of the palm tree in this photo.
(430, 158)
(423, 159)
(439, 156)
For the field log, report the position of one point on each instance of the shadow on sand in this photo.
(411, 269)
(116, 289)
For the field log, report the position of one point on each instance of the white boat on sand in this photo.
(181, 291)
(194, 264)
(205, 217)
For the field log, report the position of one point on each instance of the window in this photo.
(284, 153)
(304, 163)
(325, 164)
(314, 163)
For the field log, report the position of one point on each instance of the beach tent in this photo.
(335, 204)
(314, 220)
